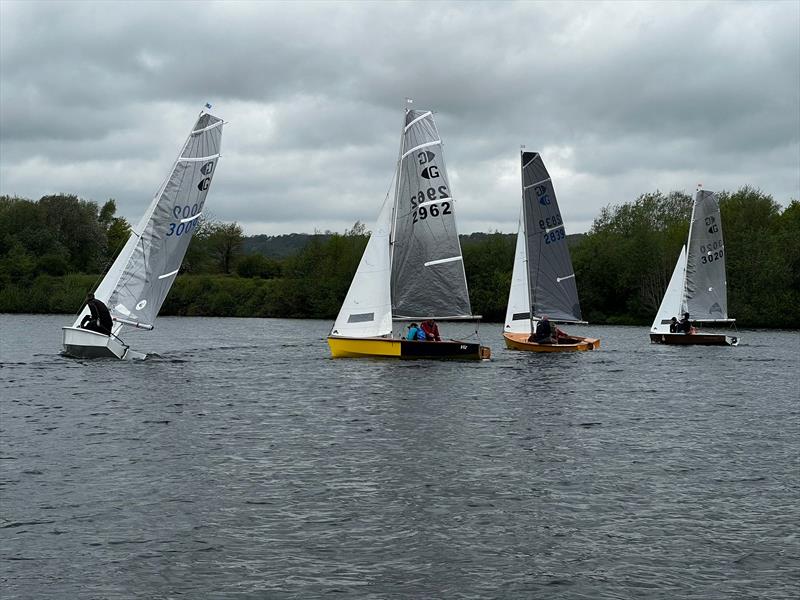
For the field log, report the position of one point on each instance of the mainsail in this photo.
(138, 282)
(428, 279)
(553, 291)
(705, 296)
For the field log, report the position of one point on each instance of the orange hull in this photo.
(519, 341)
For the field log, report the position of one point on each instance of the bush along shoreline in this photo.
(53, 252)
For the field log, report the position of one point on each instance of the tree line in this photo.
(54, 250)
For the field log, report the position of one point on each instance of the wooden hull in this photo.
(344, 347)
(519, 341)
(694, 339)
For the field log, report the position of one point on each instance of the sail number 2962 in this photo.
(430, 195)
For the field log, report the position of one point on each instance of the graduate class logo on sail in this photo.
(431, 172)
(204, 184)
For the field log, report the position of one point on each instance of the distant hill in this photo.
(280, 246)
(284, 246)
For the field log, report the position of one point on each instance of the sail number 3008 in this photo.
(430, 195)
(184, 212)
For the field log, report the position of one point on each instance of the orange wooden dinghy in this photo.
(519, 341)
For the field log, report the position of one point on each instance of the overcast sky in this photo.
(621, 99)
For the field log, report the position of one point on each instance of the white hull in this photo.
(84, 343)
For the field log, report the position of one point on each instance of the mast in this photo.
(531, 289)
(397, 180)
(684, 295)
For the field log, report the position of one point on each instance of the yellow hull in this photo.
(519, 341)
(344, 347)
(355, 348)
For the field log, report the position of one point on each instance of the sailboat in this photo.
(543, 281)
(698, 285)
(135, 286)
(412, 268)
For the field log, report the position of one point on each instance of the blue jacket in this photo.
(412, 333)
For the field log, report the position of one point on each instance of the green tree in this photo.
(256, 265)
(224, 243)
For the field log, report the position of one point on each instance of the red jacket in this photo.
(431, 330)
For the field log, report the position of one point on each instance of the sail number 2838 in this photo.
(431, 195)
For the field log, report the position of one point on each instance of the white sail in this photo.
(518, 313)
(137, 283)
(367, 308)
(673, 297)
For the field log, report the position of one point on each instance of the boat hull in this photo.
(519, 341)
(694, 339)
(344, 347)
(85, 343)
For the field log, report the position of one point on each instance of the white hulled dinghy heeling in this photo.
(412, 268)
(698, 285)
(136, 285)
(543, 280)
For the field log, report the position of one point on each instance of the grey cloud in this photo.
(96, 98)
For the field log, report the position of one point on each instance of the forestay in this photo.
(553, 291)
(428, 279)
(138, 282)
(705, 288)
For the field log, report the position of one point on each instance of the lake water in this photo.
(243, 462)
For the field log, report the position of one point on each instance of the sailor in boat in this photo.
(99, 319)
(673, 325)
(685, 325)
(544, 332)
(431, 330)
(415, 332)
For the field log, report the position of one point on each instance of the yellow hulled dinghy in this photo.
(543, 280)
(412, 268)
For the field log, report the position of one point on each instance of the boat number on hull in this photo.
(423, 212)
(184, 212)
